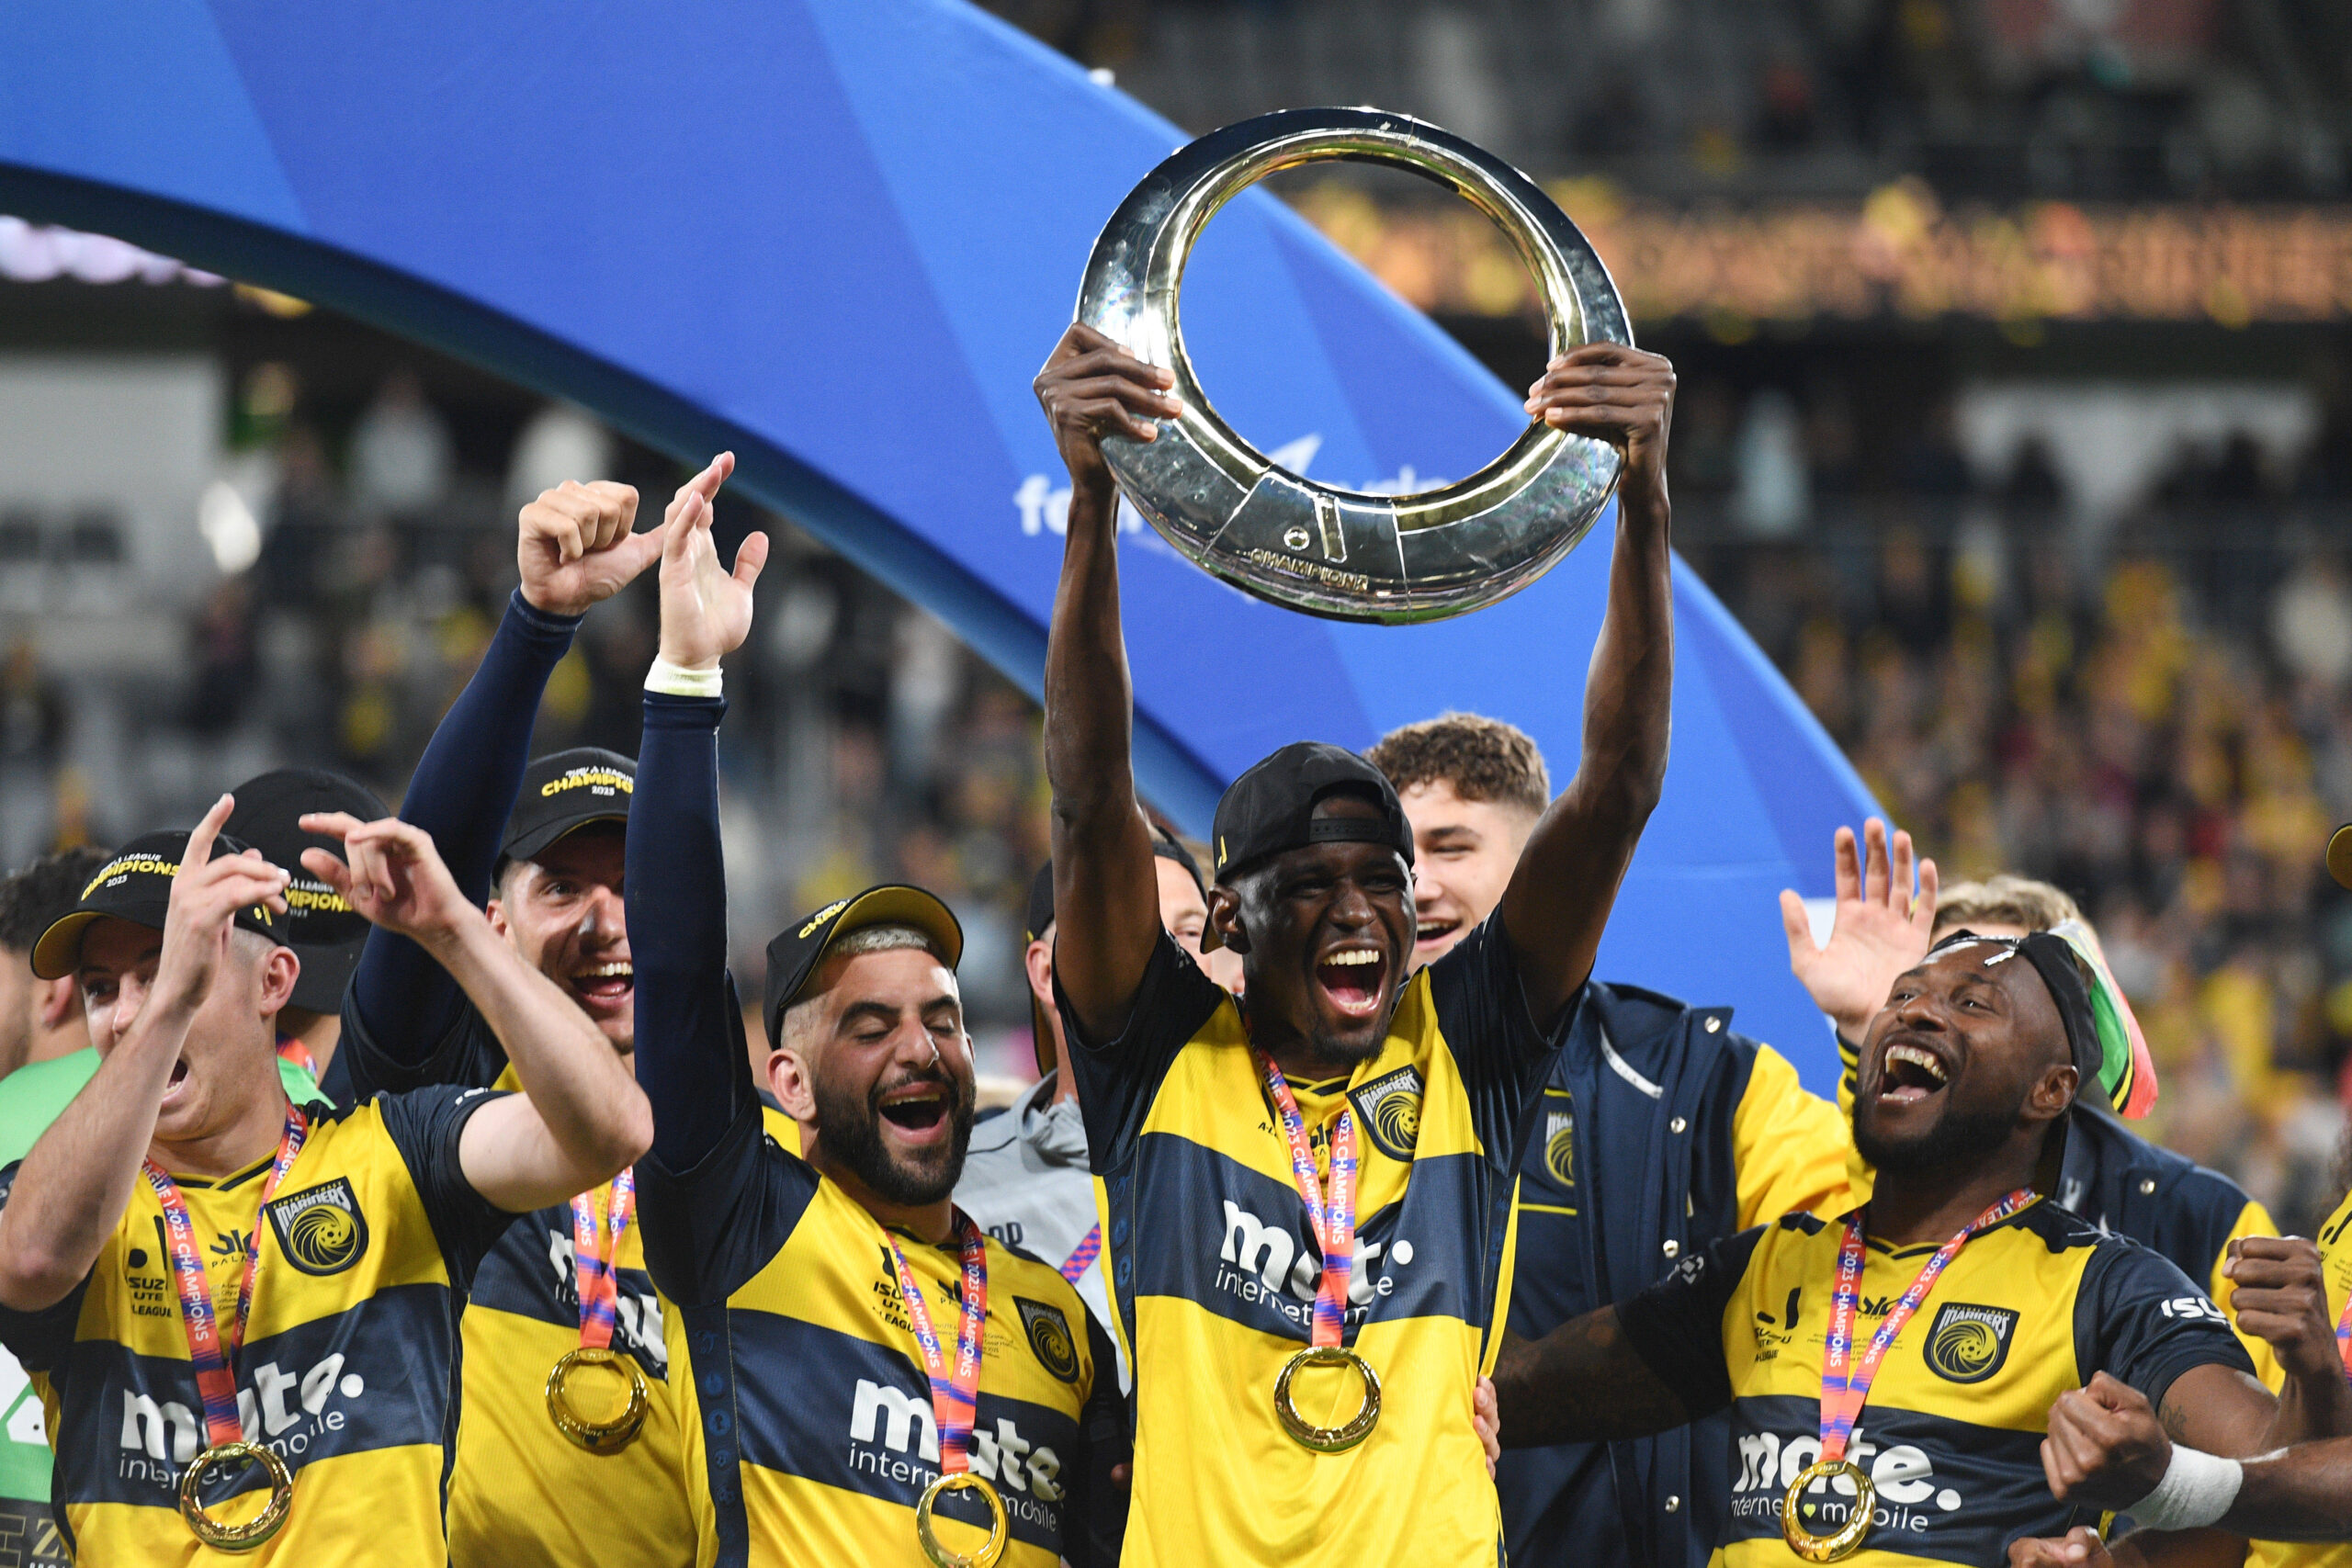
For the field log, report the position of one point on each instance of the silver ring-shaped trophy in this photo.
(1313, 546)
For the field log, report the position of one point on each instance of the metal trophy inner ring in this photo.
(1313, 546)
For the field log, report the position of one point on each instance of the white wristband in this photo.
(2196, 1490)
(677, 681)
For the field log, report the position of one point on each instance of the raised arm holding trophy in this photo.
(1306, 1199)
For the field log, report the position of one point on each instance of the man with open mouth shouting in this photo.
(863, 1376)
(587, 1473)
(1889, 1374)
(1305, 1195)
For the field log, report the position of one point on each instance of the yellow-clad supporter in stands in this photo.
(1661, 1128)
(242, 1311)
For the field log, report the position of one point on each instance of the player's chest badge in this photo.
(1389, 1111)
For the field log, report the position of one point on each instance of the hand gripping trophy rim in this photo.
(1313, 546)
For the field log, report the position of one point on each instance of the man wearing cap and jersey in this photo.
(2199, 1219)
(856, 1361)
(1327, 1170)
(1025, 1178)
(241, 1312)
(1888, 1374)
(321, 928)
(566, 1284)
(1661, 1129)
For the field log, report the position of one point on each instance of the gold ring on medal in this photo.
(597, 1436)
(962, 1480)
(1327, 1439)
(1843, 1540)
(243, 1536)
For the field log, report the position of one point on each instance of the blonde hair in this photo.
(2004, 900)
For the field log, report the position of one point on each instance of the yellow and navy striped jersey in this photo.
(349, 1366)
(521, 1494)
(805, 1411)
(1951, 1435)
(2336, 1264)
(1215, 1265)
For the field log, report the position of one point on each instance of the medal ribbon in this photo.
(1334, 1218)
(594, 1268)
(1843, 1390)
(215, 1379)
(1089, 1246)
(954, 1396)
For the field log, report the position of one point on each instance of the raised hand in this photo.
(574, 548)
(1091, 388)
(2106, 1446)
(395, 878)
(705, 608)
(207, 893)
(2281, 1295)
(1881, 928)
(1616, 394)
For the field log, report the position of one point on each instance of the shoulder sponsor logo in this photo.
(1390, 1109)
(2194, 1309)
(1560, 1146)
(1967, 1343)
(1049, 1335)
(321, 1229)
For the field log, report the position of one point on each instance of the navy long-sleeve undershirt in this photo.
(690, 1056)
(462, 794)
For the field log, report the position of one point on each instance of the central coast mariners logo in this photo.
(1560, 1146)
(1049, 1335)
(1389, 1109)
(319, 1229)
(1967, 1343)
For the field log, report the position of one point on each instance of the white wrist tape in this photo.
(2196, 1490)
(676, 681)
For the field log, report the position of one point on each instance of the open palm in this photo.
(706, 606)
(1880, 929)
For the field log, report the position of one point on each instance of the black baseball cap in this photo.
(797, 949)
(1271, 808)
(325, 932)
(565, 791)
(1165, 845)
(135, 885)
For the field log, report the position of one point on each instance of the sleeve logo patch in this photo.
(1389, 1109)
(1049, 1335)
(1967, 1343)
(319, 1229)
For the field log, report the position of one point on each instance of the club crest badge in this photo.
(1050, 1336)
(1560, 1147)
(319, 1229)
(1389, 1111)
(1969, 1343)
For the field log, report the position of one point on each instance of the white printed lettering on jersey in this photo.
(893, 1419)
(1264, 1262)
(283, 1411)
(1902, 1475)
(2194, 1309)
(638, 1313)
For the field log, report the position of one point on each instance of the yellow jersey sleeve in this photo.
(2253, 1220)
(1792, 1150)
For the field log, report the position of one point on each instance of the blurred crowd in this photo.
(2154, 714)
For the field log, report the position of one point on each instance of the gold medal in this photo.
(224, 1536)
(609, 1437)
(1841, 1542)
(961, 1481)
(1327, 1439)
